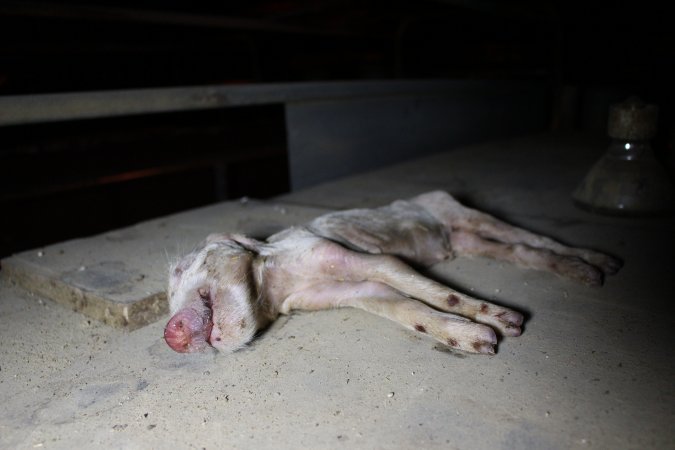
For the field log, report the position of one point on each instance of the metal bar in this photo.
(27, 109)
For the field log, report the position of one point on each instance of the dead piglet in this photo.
(231, 286)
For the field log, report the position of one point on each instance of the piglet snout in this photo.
(189, 331)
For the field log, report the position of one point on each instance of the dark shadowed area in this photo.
(104, 171)
(131, 130)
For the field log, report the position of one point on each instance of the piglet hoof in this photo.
(608, 264)
(484, 347)
(188, 331)
(509, 322)
(579, 270)
(485, 342)
(504, 320)
(470, 337)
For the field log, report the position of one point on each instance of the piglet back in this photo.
(402, 228)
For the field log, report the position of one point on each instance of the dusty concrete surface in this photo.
(592, 370)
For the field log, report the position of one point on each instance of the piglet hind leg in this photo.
(571, 267)
(385, 301)
(532, 250)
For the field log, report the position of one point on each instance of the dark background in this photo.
(63, 180)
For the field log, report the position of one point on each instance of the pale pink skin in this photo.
(231, 286)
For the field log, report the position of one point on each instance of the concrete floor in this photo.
(592, 369)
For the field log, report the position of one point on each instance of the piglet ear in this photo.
(248, 243)
(218, 237)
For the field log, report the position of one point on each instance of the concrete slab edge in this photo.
(130, 317)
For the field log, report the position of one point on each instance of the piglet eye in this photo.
(203, 293)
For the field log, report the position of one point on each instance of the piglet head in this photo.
(212, 296)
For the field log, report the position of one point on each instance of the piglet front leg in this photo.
(377, 298)
(397, 274)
